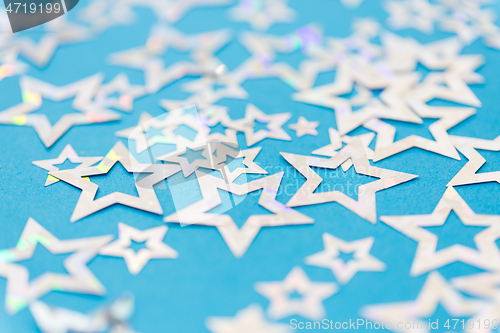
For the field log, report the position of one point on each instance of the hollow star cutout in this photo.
(249, 320)
(33, 90)
(147, 199)
(345, 271)
(468, 174)
(309, 306)
(155, 248)
(365, 206)
(127, 94)
(274, 123)
(238, 239)
(20, 291)
(303, 127)
(436, 290)
(427, 258)
(68, 153)
(448, 117)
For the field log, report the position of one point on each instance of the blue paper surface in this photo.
(206, 280)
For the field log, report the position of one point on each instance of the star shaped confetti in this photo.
(147, 199)
(32, 92)
(345, 271)
(21, 291)
(155, 248)
(238, 239)
(427, 257)
(68, 153)
(365, 206)
(309, 306)
(303, 127)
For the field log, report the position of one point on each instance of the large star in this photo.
(448, 117)
(427, 257)
(309, 306)
(238, 239)
(32, 92)
(365, 206)
(345, 271)
(202, 48)
(147, 199)
(68, 153)
(435, 291)
(249, 320)
(155, 248)
(20, 291)
(468, 174)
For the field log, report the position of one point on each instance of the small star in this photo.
(309, 306)
(127, 94)
(68, 153)
(303, 127)
(345, 271)
(155, 248)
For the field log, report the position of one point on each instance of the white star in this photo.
(303, 127)
(345, 271)
(309, 306)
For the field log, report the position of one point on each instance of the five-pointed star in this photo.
(336, 143)
(249, 320)
(127, 94)
(303, 127)
(238, 239)
(468, 174)
(155, 248)
(33, 90)
(113, 317)
(309, 306)
(391, 105)
(261, 14)
(274, 123)
(10, 65)
(427, 257)
(448, 117)
(147, 199)
(158, 74)
(20, 291)
(345, 271)
(68, 153)
(248, 156)
(435, 291)
(365, 206)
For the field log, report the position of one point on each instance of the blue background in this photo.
(206, 280)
